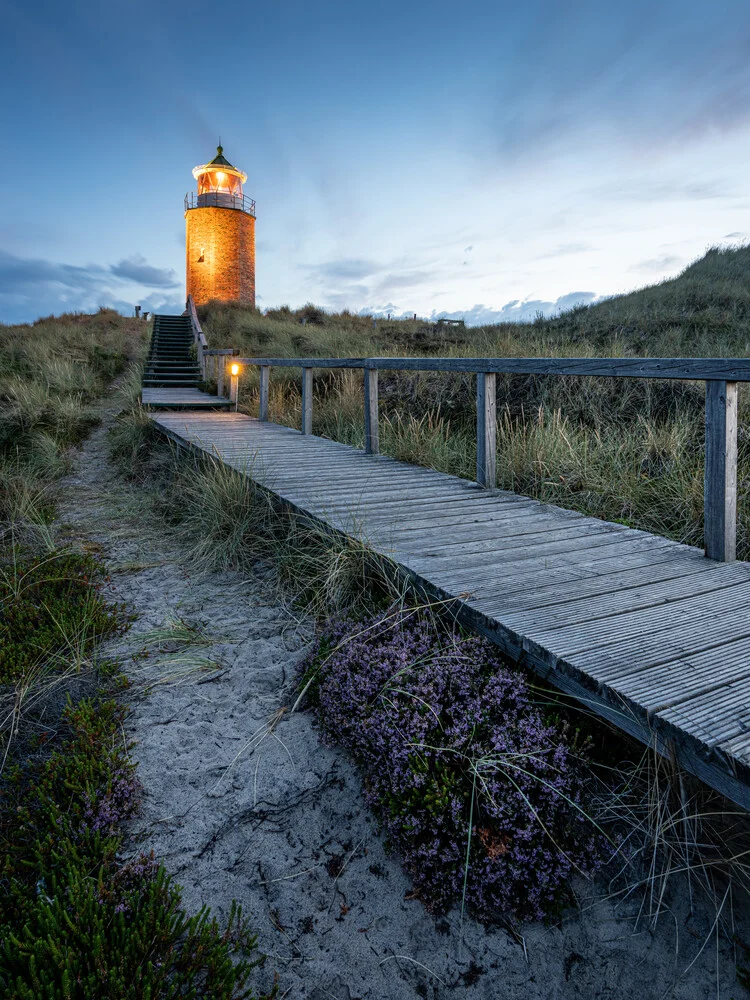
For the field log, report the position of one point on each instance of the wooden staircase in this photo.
(170, 362)
(172, 376)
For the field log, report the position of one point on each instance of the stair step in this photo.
(161, 384)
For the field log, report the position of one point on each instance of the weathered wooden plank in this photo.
(702, 369)
(500, 526)
(372, 424)
(486, 430)
(494, 579)
(458, 507)
(528, 581)
(679, 616)
(546, 554)
(307, 400)
(720, 477)
(495, 547)
(180, 397)
(265, 374)
(347, 489)
(221, 367)
(615, 581)
(610, 664)
(738, 748)
(684, 679)
(587, 608)
(717, 716)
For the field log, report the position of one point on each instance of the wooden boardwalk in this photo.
(645, 631)
(185, 398)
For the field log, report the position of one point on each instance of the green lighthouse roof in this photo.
(220, 160)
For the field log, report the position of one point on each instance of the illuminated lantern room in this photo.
(219, 177)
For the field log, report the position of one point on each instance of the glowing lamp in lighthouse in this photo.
(220, 235)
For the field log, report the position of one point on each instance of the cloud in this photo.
(515, 311)
(33, 287)
(406, 279)
(468, 249)
(565, 250)
(347, 269)
(646, 189)
(734, 236)
(19, 272)
(136, 269)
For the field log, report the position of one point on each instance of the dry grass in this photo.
(230, 523)
(50, 374)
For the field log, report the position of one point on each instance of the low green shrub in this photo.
(52, 608)
(77, 922)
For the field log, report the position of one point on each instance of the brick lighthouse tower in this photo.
(220, 235)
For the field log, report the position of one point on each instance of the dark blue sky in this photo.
(484, 159)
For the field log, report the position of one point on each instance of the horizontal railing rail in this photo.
(220, 199)
(721, 376)
(698, 369)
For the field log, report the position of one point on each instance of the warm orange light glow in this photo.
(235, 369)
(224, 181)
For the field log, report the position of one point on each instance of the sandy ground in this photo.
(243, 801)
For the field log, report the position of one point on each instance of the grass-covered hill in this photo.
(628, 450)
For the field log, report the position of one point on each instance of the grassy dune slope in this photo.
(51, 372)
(630, 450)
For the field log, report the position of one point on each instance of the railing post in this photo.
(221, 364)
(201, 359)
(486, 430)
(234, 388)
(372, 434)
(720, 476)
(265, 372)
(307, 390)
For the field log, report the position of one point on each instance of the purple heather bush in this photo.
(456, 758)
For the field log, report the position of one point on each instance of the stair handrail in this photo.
(199, 337)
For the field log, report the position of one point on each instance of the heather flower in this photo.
(112, 804)
(456, 757)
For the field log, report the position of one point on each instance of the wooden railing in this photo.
(203, 351)
(199, 338)
(721, 376)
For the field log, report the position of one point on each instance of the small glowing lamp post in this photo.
(234, 384)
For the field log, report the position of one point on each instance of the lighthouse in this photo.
(220, 235)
